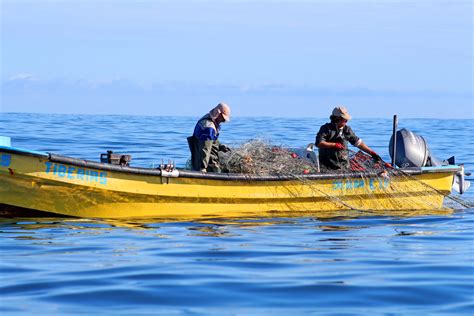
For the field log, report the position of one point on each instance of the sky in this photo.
(287, 58)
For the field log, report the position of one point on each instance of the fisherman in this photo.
(332, 140)
(204, 143)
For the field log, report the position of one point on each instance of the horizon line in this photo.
(234, 116)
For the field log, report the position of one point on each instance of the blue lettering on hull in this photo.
(373, 184)
(76, 173)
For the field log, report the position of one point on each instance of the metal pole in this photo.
(394, 144)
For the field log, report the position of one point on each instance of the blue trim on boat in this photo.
(448, 168)
(439, 167)
(25, 151)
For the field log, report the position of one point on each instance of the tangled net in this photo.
(259, 157)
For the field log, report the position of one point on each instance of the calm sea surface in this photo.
(367, 265)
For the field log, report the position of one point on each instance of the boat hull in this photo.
(93, 190)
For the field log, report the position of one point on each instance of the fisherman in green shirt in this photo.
(333, 138)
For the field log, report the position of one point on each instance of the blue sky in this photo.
(264, 58)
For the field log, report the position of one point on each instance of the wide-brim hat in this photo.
(342, 112)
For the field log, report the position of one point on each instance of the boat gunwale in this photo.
(184, 173)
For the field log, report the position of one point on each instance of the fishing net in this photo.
(260, 157)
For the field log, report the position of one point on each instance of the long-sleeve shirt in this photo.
(206, 133)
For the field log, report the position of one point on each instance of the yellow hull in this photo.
(35, 182)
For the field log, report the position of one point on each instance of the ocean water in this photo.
(365, 265)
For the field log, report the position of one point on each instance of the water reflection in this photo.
(212, 226)
(40, 223)
(211, 231)
(330, 228)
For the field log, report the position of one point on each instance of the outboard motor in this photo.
(412, 151)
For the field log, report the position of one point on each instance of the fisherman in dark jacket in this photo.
(333, 138)
(204, 143)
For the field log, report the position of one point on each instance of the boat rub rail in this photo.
(183, 173)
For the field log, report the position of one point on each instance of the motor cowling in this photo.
(412, 151)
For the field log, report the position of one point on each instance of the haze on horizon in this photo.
(265, 58)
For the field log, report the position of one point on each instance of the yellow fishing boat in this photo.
(39, 181)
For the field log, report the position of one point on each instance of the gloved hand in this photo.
(375, 157)
(224, 148)
(339, 146)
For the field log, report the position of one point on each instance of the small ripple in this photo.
(7, 270)
(40, 288)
